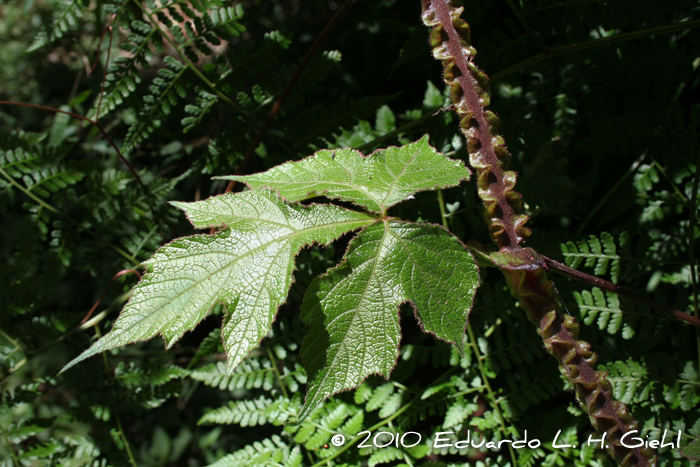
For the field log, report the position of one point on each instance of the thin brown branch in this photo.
(85, 119)
(610, 287)
(288, 89)
(97, 59)
(104, 292)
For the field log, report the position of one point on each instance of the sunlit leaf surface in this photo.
(353, 310)
(247, 266)
(376, 182)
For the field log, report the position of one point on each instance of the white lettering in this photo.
(624, 438)
(601, 440)
(558, 446)
(438, 439)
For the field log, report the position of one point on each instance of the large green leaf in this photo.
(353, 309)
(248, 266)
(376, 182)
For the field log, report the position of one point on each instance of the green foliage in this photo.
(420, 264)
(66, 16)
(598, 254)
(262, 234)
(188, 276)
(376, 182)
(603, 131)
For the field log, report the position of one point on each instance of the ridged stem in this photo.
(524, 271)
(487, 151)
(577, 362)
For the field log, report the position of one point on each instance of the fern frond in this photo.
(271, 451)
(245, 64)
(392, 405)
(210, 345)
(204, 103)
(317, 430)
(19, 162)
(630, 380)
(458, 412)
(196, 33)
(531, 385)
(166, 91)
(134, 376)
(645, 178)
(689, 397)
(354, 424)
(598, 253)
(384, 456)
(245, 413)
(603, 308)
(249, 374)
(511, 346)
(433, 407)
(312, 126)
(65, 18)
(39, 169)
(124, 74)
(363, 393)
(41, 451)
(380, 396)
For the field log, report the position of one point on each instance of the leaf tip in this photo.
(178, 204)
(83, 356)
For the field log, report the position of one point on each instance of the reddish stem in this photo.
(482, 128)
(119, 274)
(609, 286)
(85, 119)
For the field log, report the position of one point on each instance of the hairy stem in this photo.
(577, 362)
(487, 152)
(523, 268)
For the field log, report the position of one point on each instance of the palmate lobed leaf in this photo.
(353, 309)
(376, 182)
(248, 266)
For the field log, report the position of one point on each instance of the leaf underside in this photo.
(248, 266)
(353, 309)
(376, 182)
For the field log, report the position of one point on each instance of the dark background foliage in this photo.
(599, 103)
